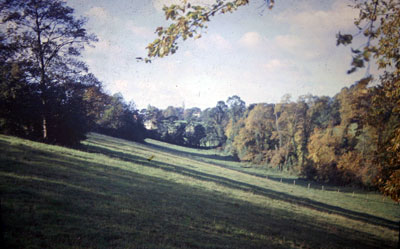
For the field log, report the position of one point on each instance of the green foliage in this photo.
(42, 42)
(191, 127)
(122, 120)
(45, 91)
(255, 136)
(18, 103)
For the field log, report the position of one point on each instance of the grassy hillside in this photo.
(119, 194)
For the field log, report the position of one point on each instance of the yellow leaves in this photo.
(323, 146)
(170, 13)
(241, 2)
(350, 162)
(229, 129)
(391, 186)
(396, 143)
(270, 3)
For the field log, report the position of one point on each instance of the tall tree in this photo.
(379, 22)
(255, 137)
(237, 107)
(49, 39)
(121, 119)
(218, 119)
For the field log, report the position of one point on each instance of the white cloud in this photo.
(273, 65)
(140, 31)
(221, 42)
(289, 42)
(251, 39)
(104, 47)
(312, 31)
(301, 47)
(340, 15)
(213, 41)
(98, 12)
(119, 86)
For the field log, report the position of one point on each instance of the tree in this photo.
(95, 99)
(18, 102)
(217, 118)
(195, 134)
(385, 118)
(236, 107)
(171, 112)
(255, 136)
(48, 39)
(191, 114)
(121, 119)
(379, 22)
(323, 152)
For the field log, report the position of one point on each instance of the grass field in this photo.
(118, 194)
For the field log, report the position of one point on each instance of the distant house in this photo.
(150, 125)
(196, 114)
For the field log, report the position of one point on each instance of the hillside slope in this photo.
(119, 194)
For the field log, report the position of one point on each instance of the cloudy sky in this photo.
(256, 53)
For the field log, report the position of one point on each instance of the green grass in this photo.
(110, 195)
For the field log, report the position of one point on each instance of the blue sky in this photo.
(255, 53)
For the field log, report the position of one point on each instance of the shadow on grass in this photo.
(306, 202)
(80, 204)
(192, 154)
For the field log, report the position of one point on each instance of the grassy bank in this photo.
(119, 194)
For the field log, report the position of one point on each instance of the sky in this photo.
(255, 53)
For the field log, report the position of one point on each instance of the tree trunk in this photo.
(44, 124)
(278, 130)
(44, 111)
(43, 85)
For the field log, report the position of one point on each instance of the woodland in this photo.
(48, 94)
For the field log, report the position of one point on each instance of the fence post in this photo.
(2, 229)
(398, 243)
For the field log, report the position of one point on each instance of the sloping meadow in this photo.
(118, 194)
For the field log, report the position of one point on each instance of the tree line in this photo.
(348, 139)
(192, 126)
